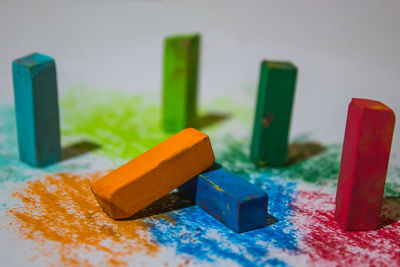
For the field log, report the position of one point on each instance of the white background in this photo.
(343, 49)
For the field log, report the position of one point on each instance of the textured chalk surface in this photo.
(273, 113)
(365, 158)
(181, 55)
(229, 198)
(147, 178)
(36, 108)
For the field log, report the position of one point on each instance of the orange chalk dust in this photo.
(152, 175)
(60, 214)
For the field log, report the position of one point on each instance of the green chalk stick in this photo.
(274, 108)
(181, 57)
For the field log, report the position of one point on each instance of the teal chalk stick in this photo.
(181, 56)
(36, 108)
(273, 113)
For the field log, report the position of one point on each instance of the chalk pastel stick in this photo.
(152, 175)
(181, 56)
(235, 202)
(365, 157)
(36, 109)
(273, 113)
(189, 189)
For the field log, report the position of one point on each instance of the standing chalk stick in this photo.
(230, 199)
(36, 108)
(365, 157)
(181, 56)
(274, 108)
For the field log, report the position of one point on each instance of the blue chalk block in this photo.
(189, 189)
(36, 108)
(237, 203)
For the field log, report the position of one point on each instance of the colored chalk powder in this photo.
(235, 202)
(365, 157)
(152, 175)
(181, 56)
(36, 108)
(273, 113)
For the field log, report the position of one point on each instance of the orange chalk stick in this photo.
(152, 175)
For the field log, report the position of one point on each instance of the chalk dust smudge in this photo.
(123, 125)
(392, 186)
(326, 243)
(113, 117)
(60, 213)
(319, 169)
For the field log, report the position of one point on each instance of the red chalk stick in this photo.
(365, 157)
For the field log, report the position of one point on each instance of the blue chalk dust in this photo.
(195, 233)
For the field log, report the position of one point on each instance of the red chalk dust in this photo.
(326, 243)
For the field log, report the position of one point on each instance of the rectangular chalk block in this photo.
(273, 113)
(181, 56)
(235, 202)
(36, 109)
(365, 157)
(152, 175)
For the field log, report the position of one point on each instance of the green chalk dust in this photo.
(122, 126)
